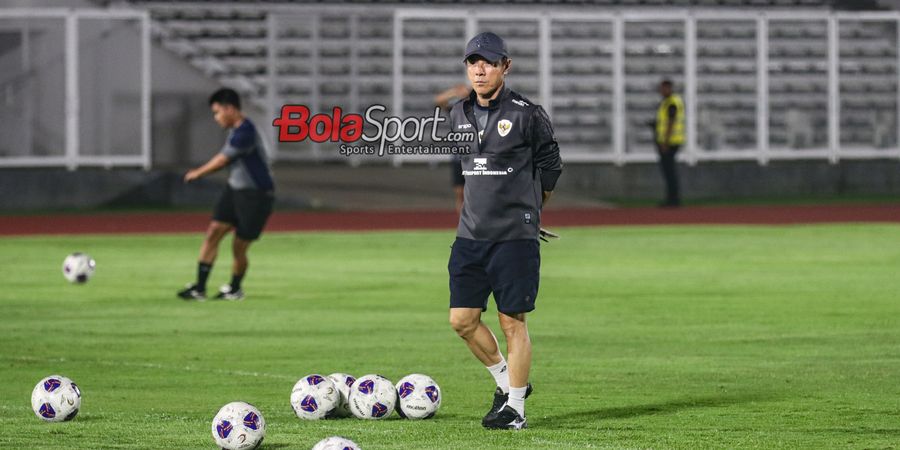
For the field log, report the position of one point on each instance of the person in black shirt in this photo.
(509, 176)
(246, 202)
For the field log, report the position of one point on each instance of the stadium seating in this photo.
(353, 52)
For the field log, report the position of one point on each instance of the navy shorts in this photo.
(246, 209)
(508, 269)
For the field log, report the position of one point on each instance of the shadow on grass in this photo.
(86, 418)
(673, 406)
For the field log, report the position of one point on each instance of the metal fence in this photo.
(74, 88)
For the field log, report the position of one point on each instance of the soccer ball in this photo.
(372, 397)
(56, 399)
(238, 426)
(314, 396)
(336, 443)
(342, 382)
(78, 267)
(419, 397)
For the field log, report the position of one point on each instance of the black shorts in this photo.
(246, 209)
(509, 269)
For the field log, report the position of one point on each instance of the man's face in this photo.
(665, 89)
(485, 76)
(225, 115)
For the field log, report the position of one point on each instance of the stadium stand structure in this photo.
(607, 3)
(325, 59)
(326, 53)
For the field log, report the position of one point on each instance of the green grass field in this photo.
(644, 337)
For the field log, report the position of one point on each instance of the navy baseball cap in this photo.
(487, 45)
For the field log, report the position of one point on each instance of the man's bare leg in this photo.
(518, 349)
(210, 247)
(208, 252)
(481, 341)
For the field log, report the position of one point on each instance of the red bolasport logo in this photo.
(392, 135)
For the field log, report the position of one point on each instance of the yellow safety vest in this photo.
(662, 121)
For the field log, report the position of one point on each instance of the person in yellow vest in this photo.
(669, 138)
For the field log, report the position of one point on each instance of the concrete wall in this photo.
(423, 187)
(730, 180)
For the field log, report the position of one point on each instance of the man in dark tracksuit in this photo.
(245, 203)
(510, 172)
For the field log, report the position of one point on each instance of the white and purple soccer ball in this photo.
(372, 397)
(418, 397)
(238, 426)
(56, 399)
(78, 267)
(342, 382)
(336, 443)
(314, 396)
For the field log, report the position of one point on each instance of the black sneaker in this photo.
(192, 292)
(499, 400)
(226, 293)
(506, 419)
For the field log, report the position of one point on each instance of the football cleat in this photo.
(225, 293)
(192, 292)
(499, 400)
(506, 419)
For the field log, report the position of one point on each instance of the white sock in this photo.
(517, 399)
(501, 374)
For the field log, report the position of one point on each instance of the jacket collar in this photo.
(493, 104)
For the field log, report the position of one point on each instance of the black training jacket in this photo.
(517, 158)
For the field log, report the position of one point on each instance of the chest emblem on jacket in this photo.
(503, 127)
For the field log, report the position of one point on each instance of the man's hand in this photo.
(546, 235)
(217, 162)
(192, 175)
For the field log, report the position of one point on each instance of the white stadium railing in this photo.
(75, 88)
(623, 148)
(758, 85)
(792, 115)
